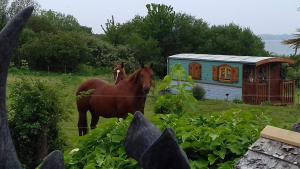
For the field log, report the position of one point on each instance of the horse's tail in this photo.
(82, 100)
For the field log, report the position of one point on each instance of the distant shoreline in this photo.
(273, 44)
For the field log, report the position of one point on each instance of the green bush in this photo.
(176, 102)
(168, 104)
(35, 111)
(198, 92)
(107, 55)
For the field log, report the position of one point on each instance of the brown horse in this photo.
(119, 73)
(103, 99)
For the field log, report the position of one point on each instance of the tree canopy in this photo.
(163, 32)
(53, 38)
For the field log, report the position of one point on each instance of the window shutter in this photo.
(195, 71)
(215, 73)
(235, 74)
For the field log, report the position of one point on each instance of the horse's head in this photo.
(144, 78)
(119, 72)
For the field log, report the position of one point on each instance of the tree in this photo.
(51, 21)
(17, 5)
(112, 32)
(3, 13)
(163, 32)
(144, 50)
(61, 52)
(159, 21)
(233, 40)
(294, 43)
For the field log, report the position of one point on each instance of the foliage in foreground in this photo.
(35, 112)
(102, 148)
(174, 95)
(215, 141)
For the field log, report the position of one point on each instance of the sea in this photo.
(273, 44)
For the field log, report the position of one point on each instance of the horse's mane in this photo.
(134, 75)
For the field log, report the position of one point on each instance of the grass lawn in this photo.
(67, 85)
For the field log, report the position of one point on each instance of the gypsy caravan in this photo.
(254, 80)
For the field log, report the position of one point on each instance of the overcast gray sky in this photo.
(262, 16)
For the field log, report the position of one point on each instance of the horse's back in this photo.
(85, 91)
(92, 84)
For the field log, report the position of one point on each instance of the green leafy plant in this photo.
(216, 141)
(102, 148)
(174, 103)
(35, 112)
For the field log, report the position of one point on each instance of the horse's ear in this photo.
(136, 77)
(122, 65)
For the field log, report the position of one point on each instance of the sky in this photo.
(261, 16)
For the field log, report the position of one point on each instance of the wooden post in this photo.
(269, 82)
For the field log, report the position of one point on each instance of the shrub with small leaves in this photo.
(35, 111)
(198, 92)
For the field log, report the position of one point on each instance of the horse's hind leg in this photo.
(82, 123)
(95, 119)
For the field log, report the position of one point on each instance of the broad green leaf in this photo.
(116, 138)
(212, 159)
(200, 164)
(221, 153)
(213, 136)
(235, 149)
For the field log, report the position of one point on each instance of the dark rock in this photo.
(165, 153)
(55, 160)
(140, 136)
(153, 150)
(8, 43)
(296, 127)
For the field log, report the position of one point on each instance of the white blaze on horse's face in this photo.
(118, 71)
